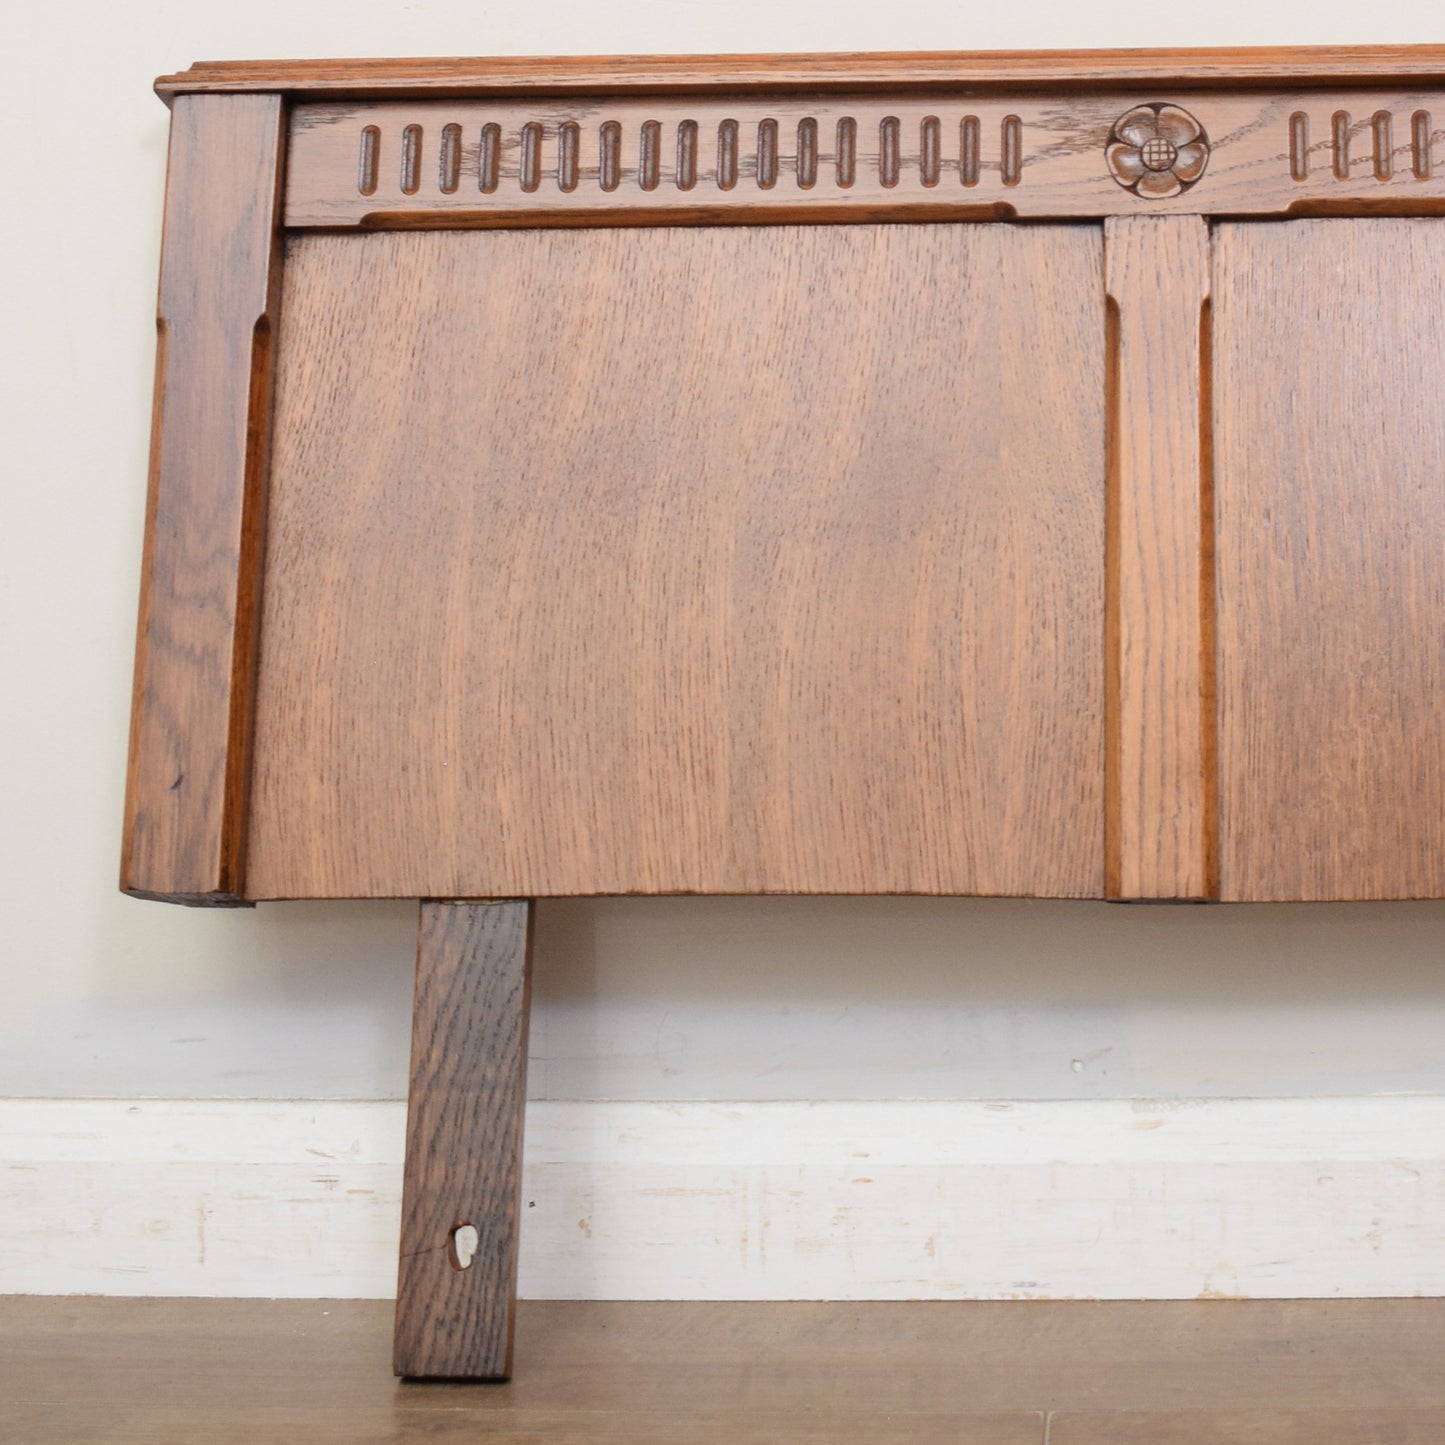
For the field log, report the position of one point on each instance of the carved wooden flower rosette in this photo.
(1157, 151)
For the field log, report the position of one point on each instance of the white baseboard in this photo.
(897, 1200)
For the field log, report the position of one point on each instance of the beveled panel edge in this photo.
(1321, 65)
(728, 158)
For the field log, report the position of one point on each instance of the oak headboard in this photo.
(1011, 474)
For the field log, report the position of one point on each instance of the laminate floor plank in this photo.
(155, 1370)
(31, 1424)
(1251, 1427)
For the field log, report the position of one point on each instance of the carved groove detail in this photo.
(888, 158)
(727, 155)
(766, 170)
(411, 160)
(1299, 146)
(968, 152)
(1340, 144)
(687, 155)
(1384, 145)
(1385, 163)
(1420, 144)
(484, 158)
(847, 151)
(807, 152)
(489, 159)
(450, 170)
(567, 143)
(531, 176)
(649, 170)
(1013, 148)
(609, 169)
(930, 150)
(366, 164)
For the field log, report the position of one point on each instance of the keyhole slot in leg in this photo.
(462, 1246)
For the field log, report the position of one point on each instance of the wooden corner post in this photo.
(189, 770)
(457, 1286)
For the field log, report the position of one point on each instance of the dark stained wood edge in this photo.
(464, 1140)
(643, 218)
(916, 71)
(1208, 595)
(189, 769)
(1113, 671)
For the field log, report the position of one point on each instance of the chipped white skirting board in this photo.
(897, 1200)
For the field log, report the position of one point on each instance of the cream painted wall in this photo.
(725, 999)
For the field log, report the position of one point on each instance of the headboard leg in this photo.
(457, 1285)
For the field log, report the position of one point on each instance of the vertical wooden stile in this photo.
(457, 1286)
(189, 773)
(1161, 776)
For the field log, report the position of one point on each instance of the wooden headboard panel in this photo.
(630, 531)
(1013, 474)
(706, 560)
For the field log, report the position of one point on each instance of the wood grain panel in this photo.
(720, 560)
(1330, 454)
(1162, 784)
(1074, 70)
(190, 723)
(758, 158)
(456, 1297)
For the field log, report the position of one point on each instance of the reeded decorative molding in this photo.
(701, 159)
(1418, 149)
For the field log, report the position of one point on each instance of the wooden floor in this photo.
(205, 1372)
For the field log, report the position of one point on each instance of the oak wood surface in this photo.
(456, 1298)
(718, 560)
(1330, 453)
(261, 1370)
(1162, 817)
(713, 159)
(663, 74)
(190, 724)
